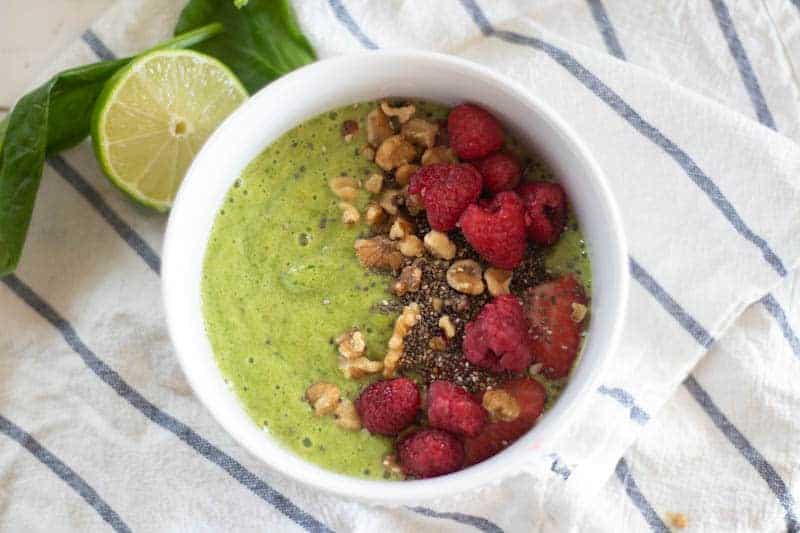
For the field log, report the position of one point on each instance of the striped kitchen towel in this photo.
(692, 107)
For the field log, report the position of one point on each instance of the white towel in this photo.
(692, 109)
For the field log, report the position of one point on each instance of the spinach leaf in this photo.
(50, 118)
(261, 42)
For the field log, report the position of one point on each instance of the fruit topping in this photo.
(473, 131)
(453, 409)
(497, 338)
(496, 230)
(387, 407)
(500, 172)
(430, 453)
(545, 211)
(446, 191)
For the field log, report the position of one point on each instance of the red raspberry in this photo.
(446, 190)
(545, 211)
(497, 338)
(497, 436)
(452, 408)
(497, 231)
(387, 407)
(473, 131)
(555, 336)
(500, 172)
(430, 453)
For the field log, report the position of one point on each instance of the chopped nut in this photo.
(414, 204)
(323, 398)
(465, 276)
(368, 152)
(345, 187)
(498, 281)
(358, 368)
(420, 132)
(407, 320)
(438, 154)
(351, 344)
(349, 130)
(390, 200)
(437, 344)
(677, 520)
(378, 252)
(500, 405)
(394, 152)
(409, 281)
(440, 245)
(374, 214)
(401, 228)
(345, 416)
(404, 172)
(459, 304)
(447, 326)
(403, 113)
(391, 465)
(437, 304)
(350, 214)
(374, 183)
(378, 127)
(578, 312)
(411, 246)
(535, 368)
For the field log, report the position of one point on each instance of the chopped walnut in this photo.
(498, 281)
(465, 277)
(374, 214)
(394, 152)
(391, 465)
(677, 520)
(409, 281)
(411, 246)
(439, 245)
(535, 368)
(350, 214)
(578, 312)
(438, 154)
(358, 368)
(378, 252)
(500, 405)
(420, 132)
(374, 183)
(349, 130)
(403, 113)
(378, 127)
(401, 228)
(447, 326)
(368, 152)
(323, 398)
(437, 344)
(459, 304)
(437, 303)
(414, 204)
(351, 344)
(345, 187)
(404, 172)
(407, 320)
(390, 200)
(345, 416)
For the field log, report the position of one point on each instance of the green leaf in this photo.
(261, 42)
(50, 118)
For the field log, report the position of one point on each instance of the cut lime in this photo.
(154, 115)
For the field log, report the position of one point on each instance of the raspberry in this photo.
(446, 190)
(500, 172)
(545, 211)
(473, 131)
(451, 407)
(555, 336)
(387, 407)
(497, 338)
(430, 453)
(497, 230)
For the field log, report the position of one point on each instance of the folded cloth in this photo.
(685, 124)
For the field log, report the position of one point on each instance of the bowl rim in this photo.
(516, 457)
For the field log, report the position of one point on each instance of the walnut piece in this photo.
(465, 277)
(404, 172)
(535, 368)
(677, 520)
(578, 312)
(438, 154)
(350, 214)
(345, 187)
(411, 246)
(500, 405)
(407, 320)
(447, 326)
(352, 344)
(403, 113)
(439, 245)
(394, 152)
(391, 465)
(374, 214)
(378, 252)
(414, 204)
(409, 281)
(368, 152)
(420, 132)
(349, 130)
(401, 228)
(323, 397)
(345, 416)
(390, 200)
(437, 303)
(378, 127)
(437, 344)
(374, 183)
(498, 281)
(358, 368)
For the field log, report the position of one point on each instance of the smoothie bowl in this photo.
(394, 276)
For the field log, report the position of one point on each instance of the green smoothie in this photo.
(281, 281)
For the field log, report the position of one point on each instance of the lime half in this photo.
(154, 115)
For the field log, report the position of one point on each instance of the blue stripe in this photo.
(796, 4)
(97, 46)
(686, 320)
(475, 521)
(740, 442)
(623, 109)
(606, 28)
(352, 26)
(68, 475)
(559, 467)
(779, 314)
(638, 499)
(743, 63)
(235, 469)
(624, 397)
(134, 240)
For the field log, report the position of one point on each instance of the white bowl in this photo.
(335, 82)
